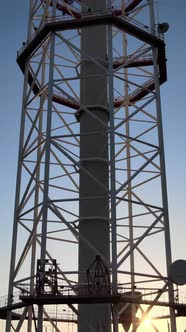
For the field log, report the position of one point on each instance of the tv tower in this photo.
(91, 228)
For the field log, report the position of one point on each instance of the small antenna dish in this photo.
(178, 272)
(163, 27)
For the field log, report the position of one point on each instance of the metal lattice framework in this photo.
(46, 222)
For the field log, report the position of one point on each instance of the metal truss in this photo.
(46, 221)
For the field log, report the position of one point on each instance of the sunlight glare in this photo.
(147, 322)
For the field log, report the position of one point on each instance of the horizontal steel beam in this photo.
(106, 19)
(88, 299)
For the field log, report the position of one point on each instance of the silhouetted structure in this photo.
(91, 184)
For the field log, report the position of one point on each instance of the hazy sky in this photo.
(13, 21)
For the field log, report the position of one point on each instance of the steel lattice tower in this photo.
(91, 209)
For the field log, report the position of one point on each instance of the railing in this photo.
(84, 15)
(54, 313)
(143, 87)
(83, 291)
(125, 59)
(4, 299)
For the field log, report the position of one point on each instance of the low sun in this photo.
(147, 322)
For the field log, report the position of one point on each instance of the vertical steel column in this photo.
(17, 197)
(94, 214)
(163, 173)
(113, 179)
(47, 160)
(47, 169)
(36, 200)
(129, 173)
(18, 186)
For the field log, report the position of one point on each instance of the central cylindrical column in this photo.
(94, 174)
